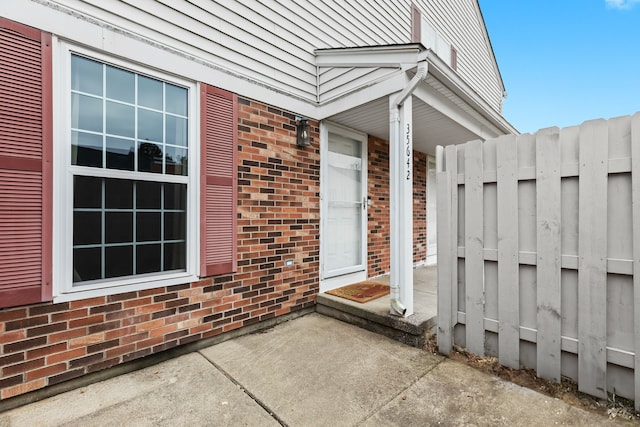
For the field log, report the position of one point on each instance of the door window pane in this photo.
(344, 205)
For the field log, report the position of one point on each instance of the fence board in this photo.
(508, 268)
(451, 154)
(592, 273)
(445, 253)
(474, 256)
(635, 202)
(564, 252)
(548, 259)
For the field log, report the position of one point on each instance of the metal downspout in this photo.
(397, 308)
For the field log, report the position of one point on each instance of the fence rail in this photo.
(538, 243)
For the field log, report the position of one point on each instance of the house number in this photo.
(408, 145)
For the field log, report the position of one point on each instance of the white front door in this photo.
(344, 202)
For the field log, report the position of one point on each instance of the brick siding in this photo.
(378, 246)
(278, 219)
(419, 207)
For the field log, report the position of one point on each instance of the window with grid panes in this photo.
(129, 159)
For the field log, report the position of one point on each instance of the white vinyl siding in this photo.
(262, 46)
(459, 23)
(267, 41)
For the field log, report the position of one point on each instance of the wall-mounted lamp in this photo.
(302, 132)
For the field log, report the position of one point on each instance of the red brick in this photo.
(12, 336)
(136, 302)
(86, 340)
(22, 367)
(67, 335)
(15, 314)
(47, 371)
(119, 351)
(66, 355)
(87, 302)
(134, 338)
(85, 321)
(45, 351)
(68, 315)
(22, 388)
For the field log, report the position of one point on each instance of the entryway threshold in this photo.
(374, 315)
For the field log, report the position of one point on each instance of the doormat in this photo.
(361, 291)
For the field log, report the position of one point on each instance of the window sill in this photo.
(157, 282)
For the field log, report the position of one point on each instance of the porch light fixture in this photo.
(302, 132)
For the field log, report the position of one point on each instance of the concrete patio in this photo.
(311, 371)
(374, 315)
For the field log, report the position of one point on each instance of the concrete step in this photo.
(374, 316)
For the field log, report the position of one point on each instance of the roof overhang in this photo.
(354, 84)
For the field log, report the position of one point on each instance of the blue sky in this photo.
(566, 61)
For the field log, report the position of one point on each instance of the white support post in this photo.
(406, 206)
(401, 211)
(401, 194)
(394, 200)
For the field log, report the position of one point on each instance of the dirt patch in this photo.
(614, 407)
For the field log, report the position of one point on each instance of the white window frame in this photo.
(63, 289)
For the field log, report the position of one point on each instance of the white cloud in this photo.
(621, 4)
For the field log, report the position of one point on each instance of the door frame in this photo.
(356, 273)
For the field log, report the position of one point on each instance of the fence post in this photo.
(508, 266)
(592, 265)
(445, 283)
(474, 246)
(548, 258)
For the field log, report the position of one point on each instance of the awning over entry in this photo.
(354, 85)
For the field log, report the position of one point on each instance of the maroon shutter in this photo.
(416, 24)
(25, 164)
(218, 181)
(454, 59)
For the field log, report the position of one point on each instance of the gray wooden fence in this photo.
(538, 242)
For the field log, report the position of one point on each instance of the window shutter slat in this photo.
(219, 181)
(25, 165)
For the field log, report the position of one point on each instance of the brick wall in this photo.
(419, 207)
(278, 219)
(378, 213)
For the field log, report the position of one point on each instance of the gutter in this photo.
(397, 307)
